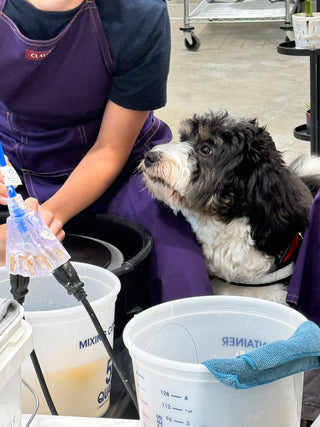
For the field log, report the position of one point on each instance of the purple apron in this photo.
(51, 109)
(304, 295)
(304, 287)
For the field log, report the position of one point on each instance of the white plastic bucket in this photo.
(306, 30)
(15, 346)
(168, 342)
(72, 357)
(316, 422)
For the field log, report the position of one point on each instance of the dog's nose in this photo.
(150, 158)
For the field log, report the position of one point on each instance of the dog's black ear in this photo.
(275, 200)
(258, 140)
(280, 200)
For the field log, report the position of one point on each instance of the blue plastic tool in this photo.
(31, 248)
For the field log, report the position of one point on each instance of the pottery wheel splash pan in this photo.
(92, 251)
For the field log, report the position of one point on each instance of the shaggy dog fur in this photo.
(244, 204)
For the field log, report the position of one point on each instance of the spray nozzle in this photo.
(31, 249)
(17, 206)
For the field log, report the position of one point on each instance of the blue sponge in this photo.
(270, 362)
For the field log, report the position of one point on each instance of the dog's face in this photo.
(214, 168)
(168, 170)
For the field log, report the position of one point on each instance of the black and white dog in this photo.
(246, 207)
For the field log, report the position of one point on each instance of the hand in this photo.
(3, 190)
(3, 234)
(47, 217)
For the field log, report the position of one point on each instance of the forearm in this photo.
(101, 165)
(91, 178)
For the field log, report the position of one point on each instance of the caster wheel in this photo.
(194, 45)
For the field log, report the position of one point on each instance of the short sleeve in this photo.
(138, 32)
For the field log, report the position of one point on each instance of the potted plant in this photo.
(306, 28)
(308, 7)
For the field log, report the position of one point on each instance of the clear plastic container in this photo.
(74, 361)
(168, 342)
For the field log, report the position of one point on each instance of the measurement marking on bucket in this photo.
(141, 387)
(139, 375)
(145, 415)
(173, 408)
(173, 405)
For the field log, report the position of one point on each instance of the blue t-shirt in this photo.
(138, 32)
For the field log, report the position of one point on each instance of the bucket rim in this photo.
(137, 353)
(303, 15)
(65, 312)
(18, 341)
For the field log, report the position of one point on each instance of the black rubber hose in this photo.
(19, 288)
(67, 276)
(109, 349)
(43, 383)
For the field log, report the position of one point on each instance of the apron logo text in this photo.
(36, 55)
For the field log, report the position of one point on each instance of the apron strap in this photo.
(105, 49)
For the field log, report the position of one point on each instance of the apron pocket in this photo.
(43, 185)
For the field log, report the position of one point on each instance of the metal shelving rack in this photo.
(288, 48)
(215, 11)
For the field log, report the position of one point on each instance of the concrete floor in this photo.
(238, 68)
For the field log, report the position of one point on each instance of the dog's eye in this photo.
(205, 150)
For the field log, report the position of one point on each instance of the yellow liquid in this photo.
(81, 391)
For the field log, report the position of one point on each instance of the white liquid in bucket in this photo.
(168, 342)
(71, 355)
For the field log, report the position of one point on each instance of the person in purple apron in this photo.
(304, 296)
(79, 82)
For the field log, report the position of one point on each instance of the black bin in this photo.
(135, 243)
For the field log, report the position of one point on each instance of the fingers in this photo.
(3, 191)
(47, 217)
(54, 224)
(3, 234)
(7, 160)
(32, 204)
(3, 200)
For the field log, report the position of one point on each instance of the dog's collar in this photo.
(291, 253)
(284, 269)
(269, 278)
